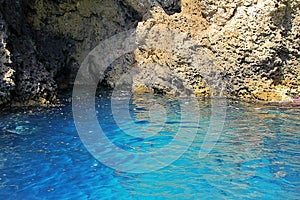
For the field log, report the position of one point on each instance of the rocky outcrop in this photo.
(144, 6)
(257, 43)
(254, 46)
(48, 40)
(7, 84)
(242, 48)
(30, 79)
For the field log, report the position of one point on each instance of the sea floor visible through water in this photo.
(257, 155)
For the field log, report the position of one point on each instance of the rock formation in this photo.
(251, 47)
(7, 84)
(48, 40)
(254, 46)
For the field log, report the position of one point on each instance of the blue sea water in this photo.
(257, 155)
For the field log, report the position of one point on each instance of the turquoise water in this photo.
(256, 157)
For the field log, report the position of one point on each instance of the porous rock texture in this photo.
(48, 39)
(251, 46)
(242, 48)
(25, 75)
(7, 84)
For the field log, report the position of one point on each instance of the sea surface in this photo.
(256, 155)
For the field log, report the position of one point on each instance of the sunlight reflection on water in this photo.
(257, 155)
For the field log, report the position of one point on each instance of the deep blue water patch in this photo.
(257, 155)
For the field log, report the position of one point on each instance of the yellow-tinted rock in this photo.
(253, 44)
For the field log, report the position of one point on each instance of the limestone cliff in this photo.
(254, 45)
(251, 46)
(48, 39)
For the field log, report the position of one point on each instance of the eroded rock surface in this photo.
(7, 80)
(242, 48)
(254, 46)
(144, 6)
(48, 40)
